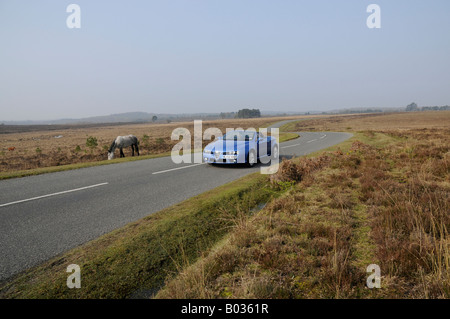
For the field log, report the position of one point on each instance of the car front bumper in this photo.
(222, 158)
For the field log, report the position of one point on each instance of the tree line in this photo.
(241, 114)
(413, 107)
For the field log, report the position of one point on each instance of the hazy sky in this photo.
(171, 56)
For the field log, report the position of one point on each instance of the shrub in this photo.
(91, 142)
(288, 172)
(145, 139)
(291, 172)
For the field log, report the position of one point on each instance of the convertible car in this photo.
(241, 147)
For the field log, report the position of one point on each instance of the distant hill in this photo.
(113, 118)
(132, 117)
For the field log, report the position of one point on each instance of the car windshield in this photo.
(239, 135)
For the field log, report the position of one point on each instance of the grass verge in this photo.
(284, 137)
(290, 127)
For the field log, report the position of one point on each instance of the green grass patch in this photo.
(284, 137)
(290, 127)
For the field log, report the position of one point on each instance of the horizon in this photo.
(174, 116)
(216, 56)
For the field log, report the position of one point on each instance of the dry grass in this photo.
(382, 198)
(375, 122)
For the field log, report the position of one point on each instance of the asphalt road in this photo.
(45, 215)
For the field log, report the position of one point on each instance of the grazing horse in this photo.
(11, 149)
(121, 142)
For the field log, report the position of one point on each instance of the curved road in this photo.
(45, 215)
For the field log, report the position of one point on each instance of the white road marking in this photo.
(54, 194)
(177, 168)
(291, 146)
(323, 136)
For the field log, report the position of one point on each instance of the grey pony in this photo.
(121, 142)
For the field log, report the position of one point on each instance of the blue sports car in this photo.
(241, 147)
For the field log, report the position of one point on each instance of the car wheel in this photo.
(251, 158)
(275, 153)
